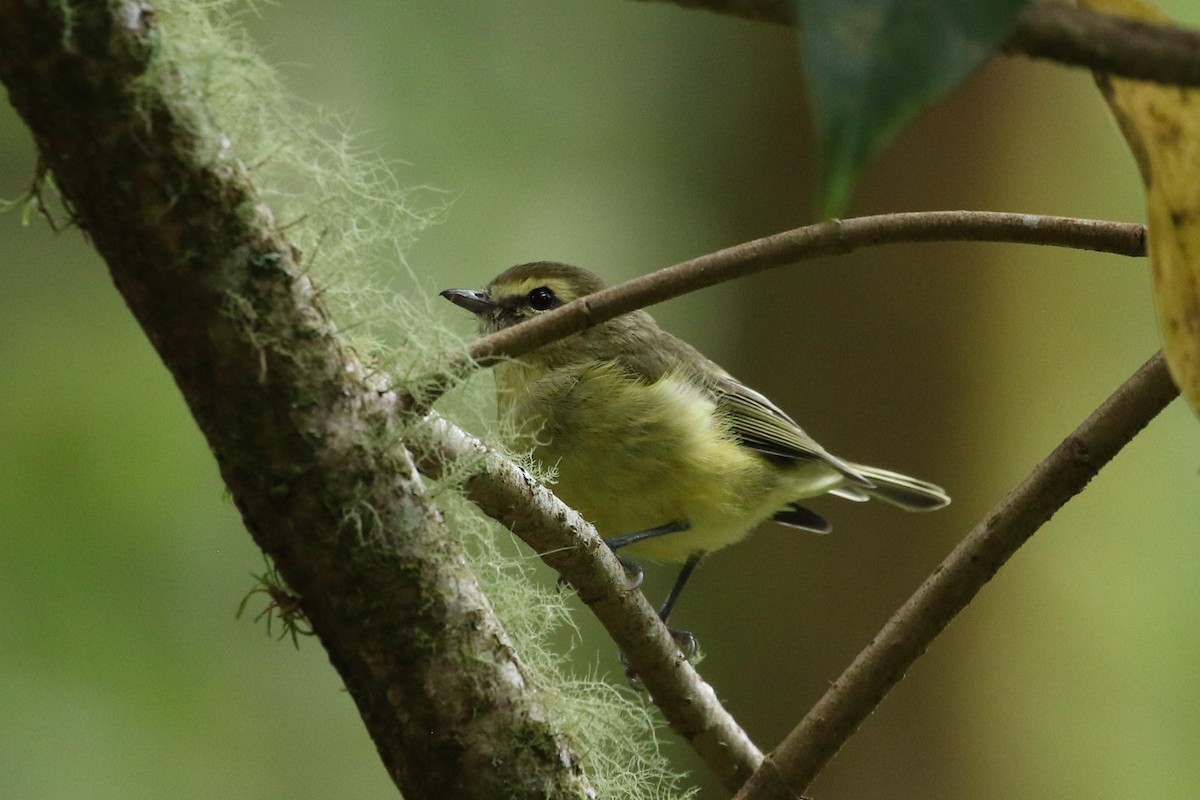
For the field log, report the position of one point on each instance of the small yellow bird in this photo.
(661, 449)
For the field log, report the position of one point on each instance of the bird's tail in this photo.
(908, 493)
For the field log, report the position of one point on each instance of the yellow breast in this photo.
(632, 455)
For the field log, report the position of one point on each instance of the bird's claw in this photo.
(685, 641)
(633, 573)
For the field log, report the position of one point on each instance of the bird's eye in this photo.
(541, 298)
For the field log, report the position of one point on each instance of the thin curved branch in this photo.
(1063, 33)
(827, 238)
(571, 546)
(824, 238)
(1058, 478)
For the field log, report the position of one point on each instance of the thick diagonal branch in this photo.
(303, 442)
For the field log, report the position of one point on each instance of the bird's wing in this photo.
(757, 423)
(761, 425)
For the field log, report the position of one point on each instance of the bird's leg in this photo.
(684, 639)
(631, 567)
(618, 542)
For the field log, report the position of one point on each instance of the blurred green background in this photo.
(628, 136)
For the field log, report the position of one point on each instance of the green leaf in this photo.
(873, 65)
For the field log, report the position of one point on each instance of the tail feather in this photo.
(908, 493)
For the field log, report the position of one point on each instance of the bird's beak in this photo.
(471, 300)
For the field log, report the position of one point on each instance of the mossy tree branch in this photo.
(303, 442)
(1073, 36)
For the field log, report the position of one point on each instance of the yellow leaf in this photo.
(1162, 127)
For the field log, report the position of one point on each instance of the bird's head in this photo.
(523, 292)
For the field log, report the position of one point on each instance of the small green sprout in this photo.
(283, 603)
